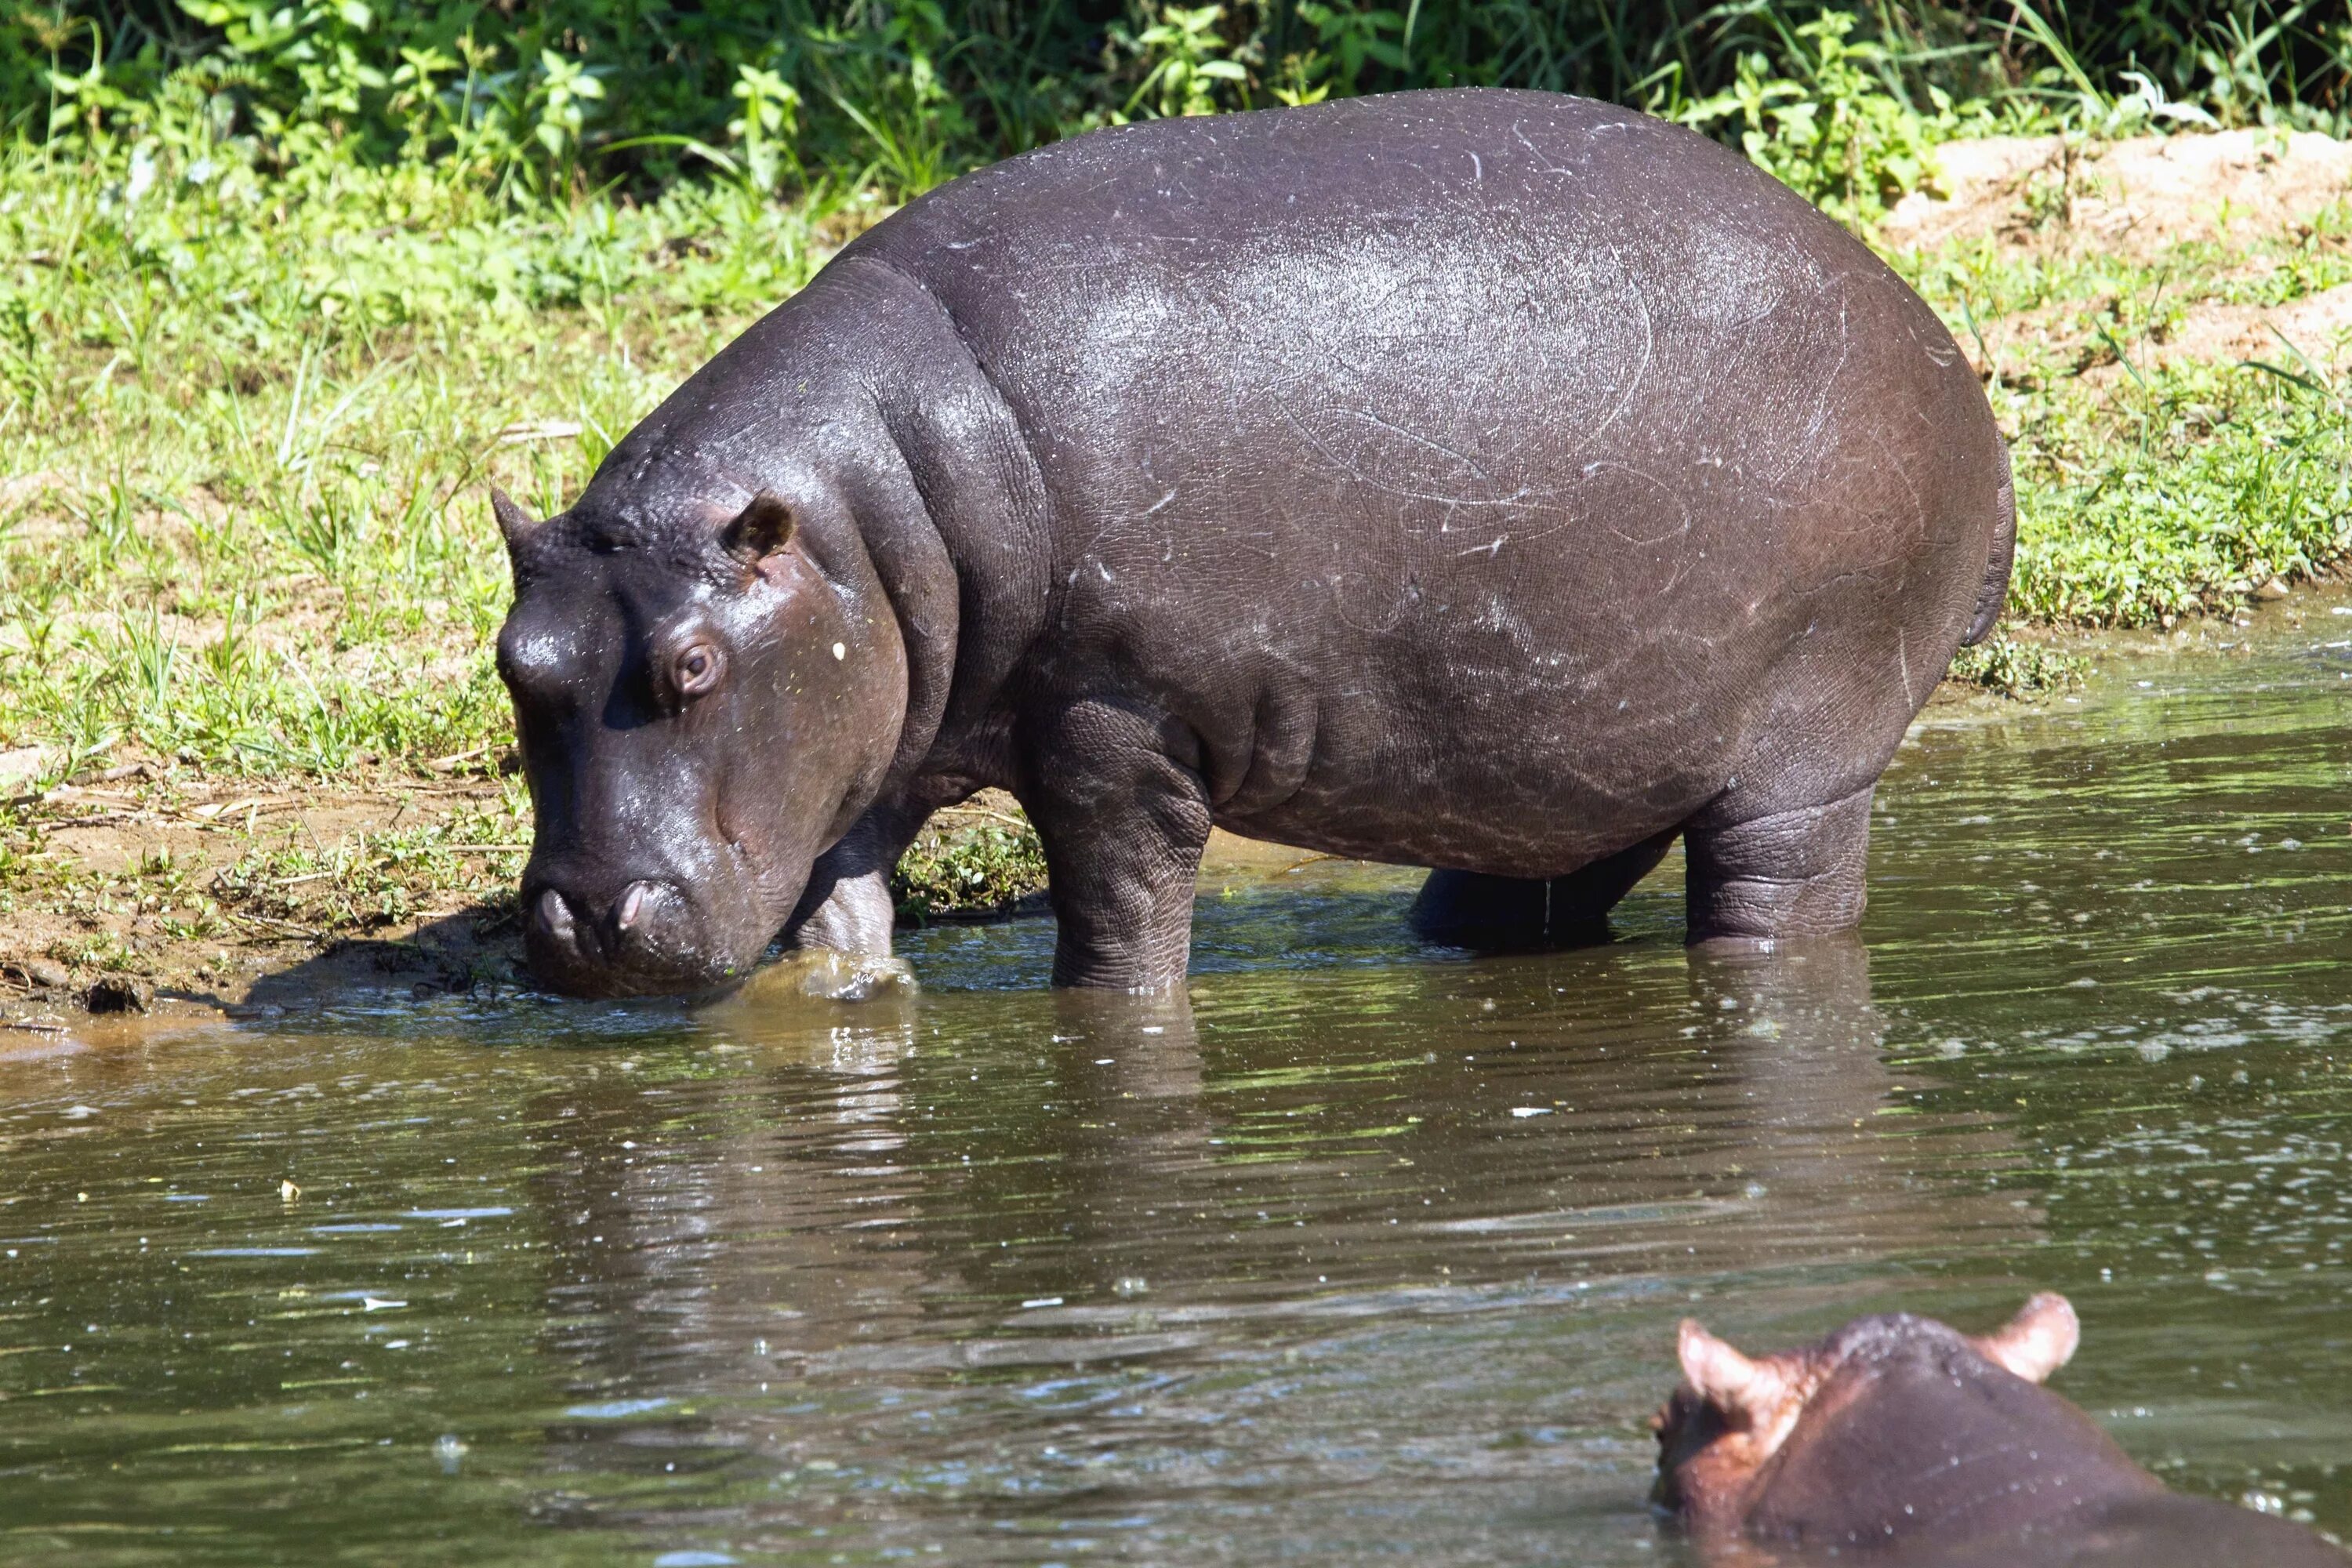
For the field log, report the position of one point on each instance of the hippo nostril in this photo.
(632, 905)
(554, 915)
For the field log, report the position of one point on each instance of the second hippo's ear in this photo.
(1734, 1385)
(759, 529)
(2037, 1342)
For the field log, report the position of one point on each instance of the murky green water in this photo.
(1376, 1257)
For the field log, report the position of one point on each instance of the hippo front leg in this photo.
(846, 906)
(1123, 823)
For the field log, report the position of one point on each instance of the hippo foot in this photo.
(824, 974)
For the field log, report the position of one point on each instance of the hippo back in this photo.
(1506, 447)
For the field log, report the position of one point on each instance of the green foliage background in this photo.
(573, 93)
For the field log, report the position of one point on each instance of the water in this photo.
(1376, 1255)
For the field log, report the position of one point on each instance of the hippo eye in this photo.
(697, 671)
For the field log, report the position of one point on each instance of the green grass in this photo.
(968, 862)
(2014, 667)
(249, 427)
(2146, 493)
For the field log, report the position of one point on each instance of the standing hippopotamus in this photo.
(1898, 1440)
(1492, 481)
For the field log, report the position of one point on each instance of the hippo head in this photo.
(1770, 1445)
(707, 695)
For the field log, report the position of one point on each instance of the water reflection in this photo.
(896, 1242)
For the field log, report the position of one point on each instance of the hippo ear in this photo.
(2037, 1342)
(761, 530)
(1734, 1385)
(513, 521)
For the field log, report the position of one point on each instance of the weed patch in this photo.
(966, 863)
(2013, 667)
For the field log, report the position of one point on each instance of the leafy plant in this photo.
(1184, 58)
(1833, 132)
(2013, 667)
(766, 130)
(962, 867)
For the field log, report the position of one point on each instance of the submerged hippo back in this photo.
(1924, 1444)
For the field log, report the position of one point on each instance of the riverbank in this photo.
(159, 890)
(251, 747)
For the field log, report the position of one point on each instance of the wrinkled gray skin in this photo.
(1913, 1450)
(1491, 481)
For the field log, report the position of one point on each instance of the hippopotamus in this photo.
(1490, 482)
(1899, 1440)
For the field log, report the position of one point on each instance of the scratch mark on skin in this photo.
(1543, 163)
(1807, 442)
(1155, 506)
(1519, 501)
(1631, 294)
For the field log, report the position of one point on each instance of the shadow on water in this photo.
(1363, 1252)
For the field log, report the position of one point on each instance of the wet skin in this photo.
(1496, 482)
(1900, 1440)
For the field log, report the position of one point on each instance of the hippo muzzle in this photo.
(611, 933)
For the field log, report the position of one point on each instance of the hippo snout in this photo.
(646, 937)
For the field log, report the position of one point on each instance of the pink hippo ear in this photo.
(1720, 1375)
(2037, 1342)
(1758, 1398)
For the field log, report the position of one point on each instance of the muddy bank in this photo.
(148, 888)
(147, 893)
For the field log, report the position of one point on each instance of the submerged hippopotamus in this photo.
(1901, 1441)
(1491, 481)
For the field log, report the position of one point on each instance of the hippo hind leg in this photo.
(1794, 873)
(1469, 908)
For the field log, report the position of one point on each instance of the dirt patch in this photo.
(2315, 327)
(2137, 196)
(144, 890)
(2268, 197)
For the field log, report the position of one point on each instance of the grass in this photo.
(249, 423)
(2016, 668)
(2153, 491)
(969, 861)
